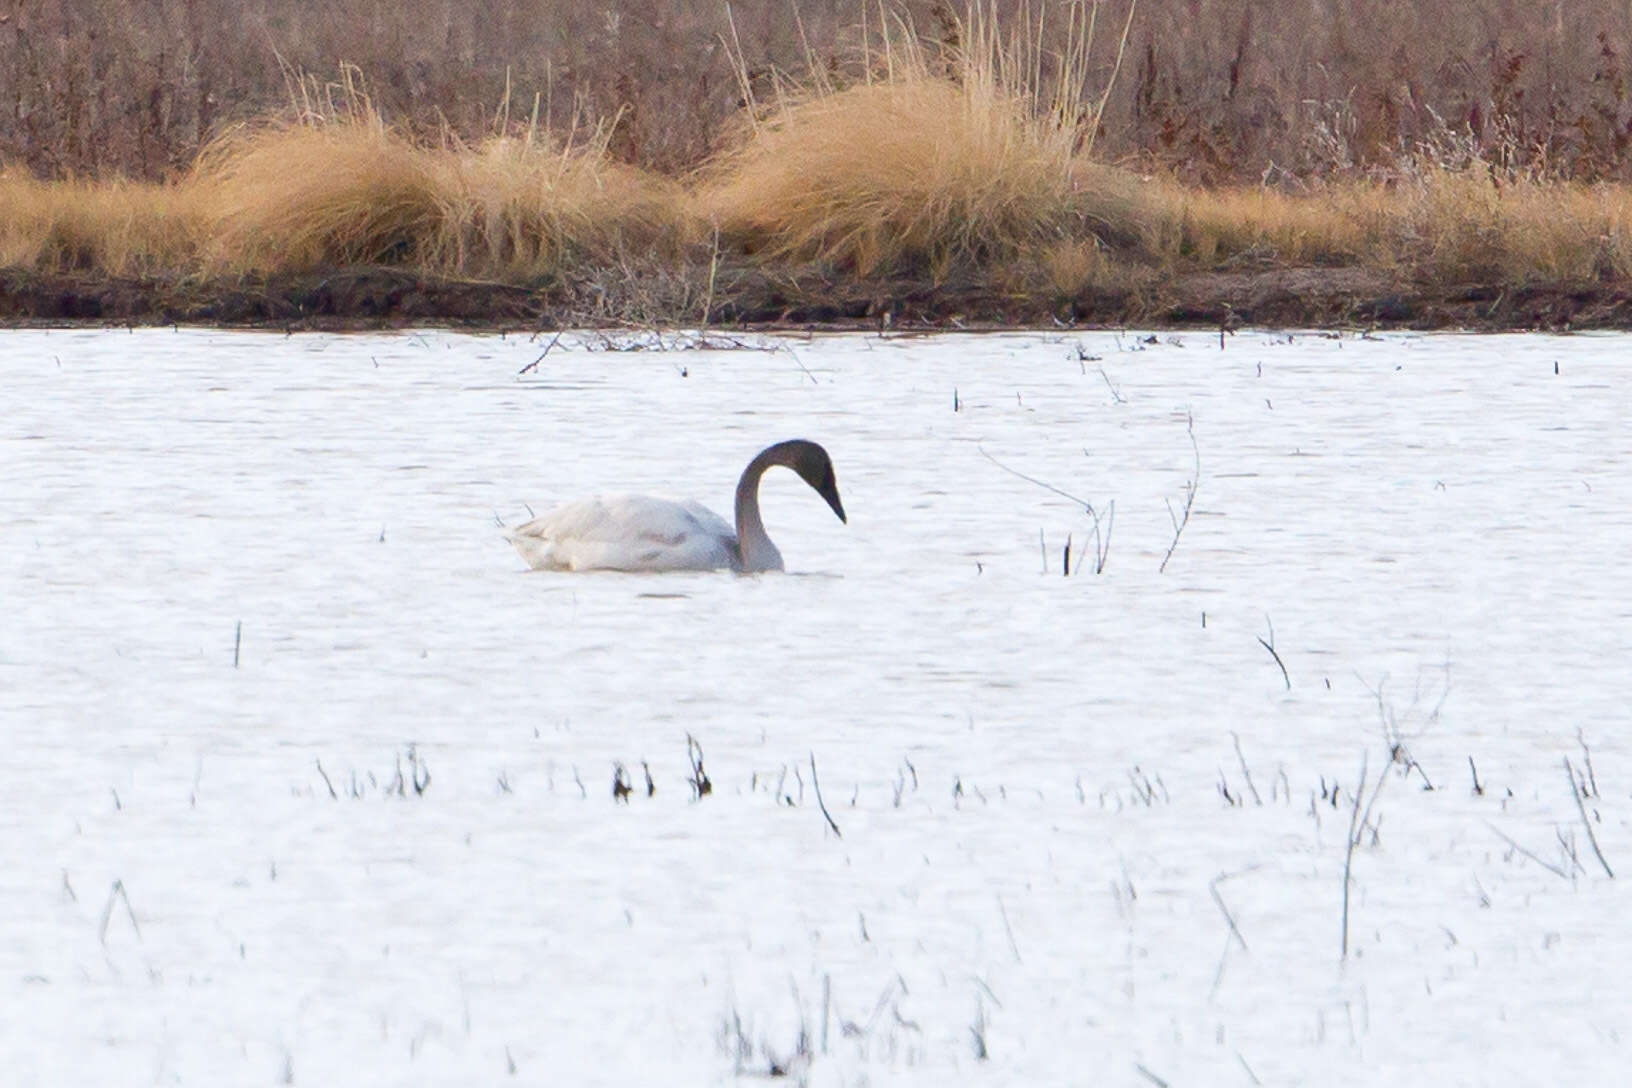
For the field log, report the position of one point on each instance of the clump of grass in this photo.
(110, 227)
(892, 176)
(1470, 225)
(354, 191)
(1431, 224)
(937, 158)
(297, 197)
(517, 208)
(1208, 226)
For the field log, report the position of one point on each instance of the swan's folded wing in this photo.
(627, 532)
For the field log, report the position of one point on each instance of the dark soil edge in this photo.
(374, 298)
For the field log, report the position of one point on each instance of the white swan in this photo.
(636, 533)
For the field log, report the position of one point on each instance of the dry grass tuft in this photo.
(1433, 225)
(300, 197)
(513, 208)
(1467, 227)
(355, 192)
(942, 156)
(1207, 227)
(111, 228)
(913, 176)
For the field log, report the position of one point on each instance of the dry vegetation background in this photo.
(655, 158)
(1217, 90)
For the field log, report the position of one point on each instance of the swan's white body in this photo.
(629, 532)
(638, 533)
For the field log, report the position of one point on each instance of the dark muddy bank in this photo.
(371, 298)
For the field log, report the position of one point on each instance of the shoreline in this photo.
(381, 297)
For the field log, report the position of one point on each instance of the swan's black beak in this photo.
(830, 491)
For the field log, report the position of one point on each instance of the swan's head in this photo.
(815, 467)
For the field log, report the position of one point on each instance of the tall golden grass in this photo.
(356, 192)
(919, 175)
(964, 151)
(108, 227)
(955, 153)
(1439, 226)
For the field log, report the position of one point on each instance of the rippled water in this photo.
(242, 570)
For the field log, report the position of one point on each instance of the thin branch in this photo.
(534, 364)
(1359, 820)
(1116, 394)
(1102, 547)
(1586, 757)
(326, 781)
(1549, 866)
(1582, 809)
(117, 891)
(1270, 646)
(1228, 917)
(1008, 930)
(1148, 1075)
(801, 365)
(713, 271)
(1190, 489)
(1034, 480)
(819, 802)
(1246, 773)
(1348, 851)
(1099, 112)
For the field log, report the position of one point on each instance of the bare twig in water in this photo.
(1348, 851)
(1586, 757)
(1257, 800)
(1359, 819)
(800, 365)
(1102, 547)
(819, 802)
(1190, 487)
(1575, 792)
(1270, 646)
(1008, 930)
(419, 772)
(700, 785)
(326, 781)
(1148, 1075)
(1033, 480)
(117, 892)
(534, 364)
(1116, 394)
(1229, 919)
(1549, 866)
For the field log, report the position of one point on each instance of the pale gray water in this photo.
(1439, 518)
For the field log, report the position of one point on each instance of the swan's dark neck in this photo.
(753, 543)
